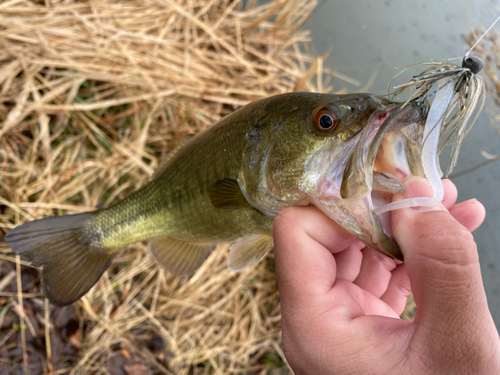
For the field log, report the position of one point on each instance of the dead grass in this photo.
(489, 51)
(92, 94)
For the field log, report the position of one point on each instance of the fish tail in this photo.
(70, 255)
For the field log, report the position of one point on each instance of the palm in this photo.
(375, 284)
(356, 291)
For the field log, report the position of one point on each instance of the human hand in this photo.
(341, 300)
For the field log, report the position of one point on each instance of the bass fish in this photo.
(346, 154)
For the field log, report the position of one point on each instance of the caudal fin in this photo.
(71, 266)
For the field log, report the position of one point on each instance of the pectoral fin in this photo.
(248, 250)
(227, 194)
(180, 257)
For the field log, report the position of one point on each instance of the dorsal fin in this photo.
(161, 166)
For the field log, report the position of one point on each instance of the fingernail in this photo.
(466, 203)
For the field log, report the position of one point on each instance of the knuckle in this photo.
(444, 240)
(288, 217)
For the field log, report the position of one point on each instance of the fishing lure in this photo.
(459, 90)
(468, 91)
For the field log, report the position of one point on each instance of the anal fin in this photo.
(248, 250)
(180, 257)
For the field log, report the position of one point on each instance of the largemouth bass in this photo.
(346, 154)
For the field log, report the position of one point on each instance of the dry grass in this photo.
(92, 94)
(489, 51)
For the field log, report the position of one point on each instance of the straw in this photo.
(92, 95)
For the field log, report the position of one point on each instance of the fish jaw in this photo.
(345, 191)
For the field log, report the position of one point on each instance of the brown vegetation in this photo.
(92, 95)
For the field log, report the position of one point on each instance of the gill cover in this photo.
(261, 165)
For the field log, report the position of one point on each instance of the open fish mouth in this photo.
(404, 146)
(395, 154)
(387, 151)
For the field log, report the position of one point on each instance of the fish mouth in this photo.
(394, 155)
(387, 152)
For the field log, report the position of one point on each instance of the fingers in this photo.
(442, 263)
(349, 262)
(375, 273)
(304, 240)
(381, 277)
(359, 302)
(378, 274)
(398, 289)
(470, 214)
(450, 194)
(471, 219)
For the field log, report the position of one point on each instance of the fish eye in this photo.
(325, 120)
(362, 107)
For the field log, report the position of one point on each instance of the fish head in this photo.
(355, 190)
(335, 152)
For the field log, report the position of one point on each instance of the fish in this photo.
(346, 154)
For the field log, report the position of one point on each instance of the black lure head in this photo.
(473, 63)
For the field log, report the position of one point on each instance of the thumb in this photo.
(443, 266)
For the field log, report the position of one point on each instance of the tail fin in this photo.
(71, 266)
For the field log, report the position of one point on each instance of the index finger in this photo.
(305, 240)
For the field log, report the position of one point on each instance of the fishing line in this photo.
(477, 41)
(482, 36)
(472, 169)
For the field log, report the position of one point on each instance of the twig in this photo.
(21, 313)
